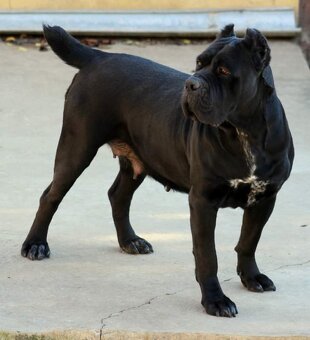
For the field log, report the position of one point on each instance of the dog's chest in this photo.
(250, 186)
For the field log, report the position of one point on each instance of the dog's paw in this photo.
(35, 251)
(137, 246)
(221, 307)
(259, 283)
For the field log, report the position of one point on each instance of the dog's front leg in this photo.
(203, 220)
(254, 220)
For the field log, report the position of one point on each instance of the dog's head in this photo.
(231, 76)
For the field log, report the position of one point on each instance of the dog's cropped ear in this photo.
(227, 31)
(268, 79)
(258, 46)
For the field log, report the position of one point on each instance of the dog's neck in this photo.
(265, 128)
(251, 120)
(253, 126)
(250, 115)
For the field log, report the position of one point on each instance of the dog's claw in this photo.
(35, 251)
(167, 188)
(42, 252)
(265, 282)
(224, 307)
(259, 284)
(32, 252)
(137, 246)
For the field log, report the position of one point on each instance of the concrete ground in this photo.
(88, 285)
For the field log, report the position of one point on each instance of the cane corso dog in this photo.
(219, 135)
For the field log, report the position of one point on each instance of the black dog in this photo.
(232, 148)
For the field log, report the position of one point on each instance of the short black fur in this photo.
(220, 135)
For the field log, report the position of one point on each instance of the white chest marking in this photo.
(257, 186)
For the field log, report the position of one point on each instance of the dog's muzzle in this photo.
(193, 90)
(196, 102)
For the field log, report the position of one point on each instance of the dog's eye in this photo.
(198, 63)
(223, 71)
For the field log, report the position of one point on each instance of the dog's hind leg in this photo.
(120, 195)
(74, 153)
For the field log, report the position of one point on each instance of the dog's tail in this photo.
(68, 48)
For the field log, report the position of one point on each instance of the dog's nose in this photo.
(192, 84)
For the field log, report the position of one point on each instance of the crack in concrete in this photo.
(272, 270)
(148, 302)
(290, 265)
(115, 314)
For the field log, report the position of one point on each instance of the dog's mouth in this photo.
(192, 113)
(186, 109)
